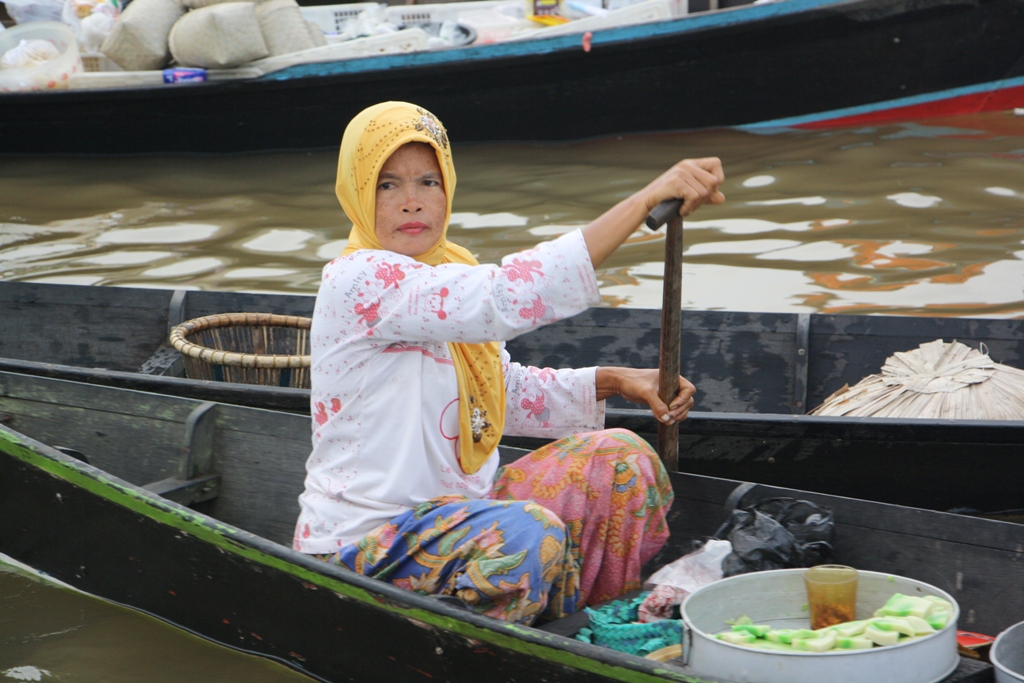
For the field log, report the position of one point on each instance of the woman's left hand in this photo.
(641, 386)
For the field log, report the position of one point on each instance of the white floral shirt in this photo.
(385, 396)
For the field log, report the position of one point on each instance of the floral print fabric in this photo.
(568, 525)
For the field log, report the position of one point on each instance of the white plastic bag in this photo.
(91, 20)
(25, 11)
(673, 582)
(28, 54)
(369, 22)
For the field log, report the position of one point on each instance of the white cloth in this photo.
(385, 395)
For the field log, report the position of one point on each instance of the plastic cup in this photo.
(831, 594)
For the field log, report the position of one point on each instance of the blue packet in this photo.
(184, 75)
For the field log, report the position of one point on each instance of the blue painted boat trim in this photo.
(860, 110)
(682, 25)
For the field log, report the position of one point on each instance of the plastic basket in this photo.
(417, 15)
(94, 62)
(249, 348)
(331, 18)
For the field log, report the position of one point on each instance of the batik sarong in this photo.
(568, 525)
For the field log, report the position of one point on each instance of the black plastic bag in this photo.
(777, 533)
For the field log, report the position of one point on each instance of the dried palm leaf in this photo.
(938, 380)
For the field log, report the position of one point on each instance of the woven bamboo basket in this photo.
(249, 348)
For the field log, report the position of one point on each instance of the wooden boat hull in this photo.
(221, 568)
(754, 384)
(745, 65)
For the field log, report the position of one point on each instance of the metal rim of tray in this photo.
(180, 342)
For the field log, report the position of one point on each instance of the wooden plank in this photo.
(261, 479)
(803, 330)
(930, 524)
(275, 398)
(44, 294)
(910, 463)
(884, 460)
(114, 328)
(738, 361)
(58, 392)
(200, 303)
(296, 427)
(134, 448)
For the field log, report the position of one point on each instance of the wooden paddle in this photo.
(671, 319)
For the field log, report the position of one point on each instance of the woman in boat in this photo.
(412, 390)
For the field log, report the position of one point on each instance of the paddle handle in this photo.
(671, 322)
(663, 213)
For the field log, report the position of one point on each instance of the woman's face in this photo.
(411, 202)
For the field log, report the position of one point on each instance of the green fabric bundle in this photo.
(615, 626)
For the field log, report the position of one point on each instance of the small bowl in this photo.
(1007, 655)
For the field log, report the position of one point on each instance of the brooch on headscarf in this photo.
(478, 422)
(432, 127)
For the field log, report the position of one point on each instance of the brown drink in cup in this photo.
(831, 594)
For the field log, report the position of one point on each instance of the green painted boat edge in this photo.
(520, 639)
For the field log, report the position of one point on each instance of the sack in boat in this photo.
(284, 28)
(196, 4)
(218, 37)
(138, 41)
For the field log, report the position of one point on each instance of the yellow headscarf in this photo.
(370, 138)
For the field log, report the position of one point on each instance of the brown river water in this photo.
(921, 218)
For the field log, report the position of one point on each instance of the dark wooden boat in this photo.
(756, 374)
(799, 62)
(222, 568)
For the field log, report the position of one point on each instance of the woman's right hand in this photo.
(695, 181)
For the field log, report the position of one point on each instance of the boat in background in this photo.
(757, 374)
(786, 63)
(185, 510)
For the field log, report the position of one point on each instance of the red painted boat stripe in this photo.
(972, 103)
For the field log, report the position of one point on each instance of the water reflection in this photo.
(918, 218)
